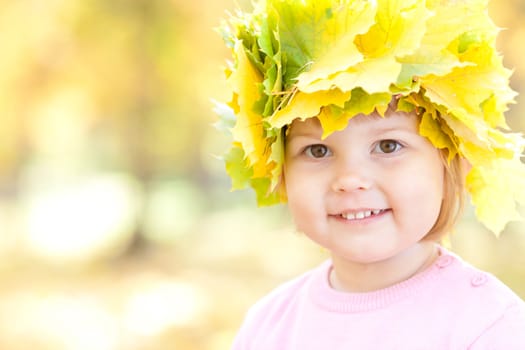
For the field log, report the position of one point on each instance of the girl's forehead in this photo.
(391, 120)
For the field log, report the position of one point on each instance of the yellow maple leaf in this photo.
(480, 143)
(333, 118)
(450, 31)
(399, 28)
(303, 106)
(432, 129)
(449, 21)
(494, 112)
(484, 72)
(276, 158)
(338, 51)
(495, 190)
(373, 75)
(248, 130)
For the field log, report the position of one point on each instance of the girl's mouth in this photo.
(362, 214)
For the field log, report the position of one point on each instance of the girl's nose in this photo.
(351, 178)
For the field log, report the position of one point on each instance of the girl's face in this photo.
(367, 193)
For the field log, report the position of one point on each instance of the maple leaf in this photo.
(334, 118)
(398, 29)
(237, 168)
(495, 189)
(334, 49)
(432, 128)
(373, 75)
(450, 26)
(248, 130)
(486, 73)
(304, 105)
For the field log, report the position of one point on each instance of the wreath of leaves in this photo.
(334, 59)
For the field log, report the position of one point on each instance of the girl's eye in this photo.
(317, 151)
(388, 146)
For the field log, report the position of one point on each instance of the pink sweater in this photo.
(451, 305)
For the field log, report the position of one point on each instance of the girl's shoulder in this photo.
(466, 280)
(478, 299)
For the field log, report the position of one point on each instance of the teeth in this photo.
(361, 214)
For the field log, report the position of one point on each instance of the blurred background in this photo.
(117, 226)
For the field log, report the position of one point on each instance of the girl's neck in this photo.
(348, 276)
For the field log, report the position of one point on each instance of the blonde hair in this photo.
(454, 194)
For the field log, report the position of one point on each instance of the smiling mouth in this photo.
(362, 214)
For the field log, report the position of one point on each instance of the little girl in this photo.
(371, 118)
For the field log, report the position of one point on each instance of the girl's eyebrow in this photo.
(374, 130)
(380, 125)
(309, 134)
(305, 131)
(396, 126)
(406, 129)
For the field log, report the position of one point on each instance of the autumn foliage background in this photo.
(117, 227)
